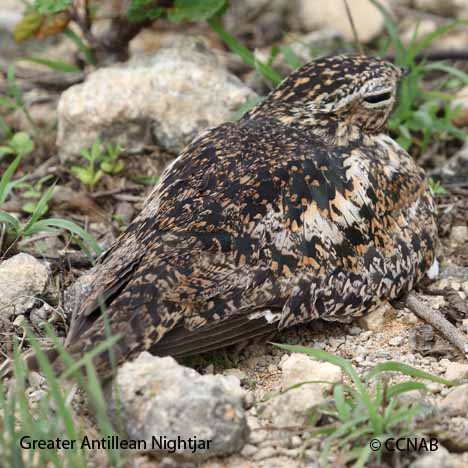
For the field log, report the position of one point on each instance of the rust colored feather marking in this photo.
(302, 209)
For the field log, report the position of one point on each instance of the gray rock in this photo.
(176, 93)
(456, 401)
(23, 279)
(439, 459)
(293, 407)
(456, 371)
(157, 398)
(10, 13)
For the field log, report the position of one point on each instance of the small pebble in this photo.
(464, 287)
(434, 387)
(295, 441)
(266, 452)
(272, 368)
(459, 234)
(241, 375)
(396, 341)
(249, 451)
(209, 369)
(456, 371)
(354, 331)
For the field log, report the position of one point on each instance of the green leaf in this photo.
(392, 29)
(53, 384)
(96, 151)
(81, 173)
(49, 7)
(101, 347)
(461, 75)
(431, 37)
(393, 366)
(5, 180)
(244, 53)
(195, 10)
(7, 218)
(52, 224)
(347, 368)
(21, 143)
(324, 356)
(8, 103)
(141, 10)
(82, 47)
(404, 387)
(57, 65)
(5, 150)
(112, 167)
(290, 57)
(247, 106)
(344, 410)
(40, 208)
(30, 207)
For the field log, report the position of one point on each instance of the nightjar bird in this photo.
(303, 209)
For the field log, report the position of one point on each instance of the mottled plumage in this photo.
(303, 209)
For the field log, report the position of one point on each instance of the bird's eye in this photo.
(378, 98)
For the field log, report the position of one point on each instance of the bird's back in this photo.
(259, 225)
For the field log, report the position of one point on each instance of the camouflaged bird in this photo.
(303, 209)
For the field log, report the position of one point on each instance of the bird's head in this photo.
(336, 97)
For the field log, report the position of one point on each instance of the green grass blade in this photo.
(364, 456)
(290, 57)
(348, 369)
(440, 66)
(41, 207)
(392, 30)
(244, 53)
(5, 180)
(99, 403)
(57, 65)
(404, 387)
(393, 366)
(10, 220)
(105, 345)
(324, 356)
(54, 386)
(50, 224)
(344, 410)
(431, 37)
(82, 47)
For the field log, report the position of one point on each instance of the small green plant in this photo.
(91, 174)
(19, 144)
(13, 98)
(11, 228)
(421, 116)
(51, 416)
(99, 162)
(368, 408)
(33, 193)
(436, 187)
(110, 160)
(15, 230)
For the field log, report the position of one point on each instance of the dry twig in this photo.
(439, 322)
(353, 27)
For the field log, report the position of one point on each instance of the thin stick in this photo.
(353, 27)
(439, 322)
